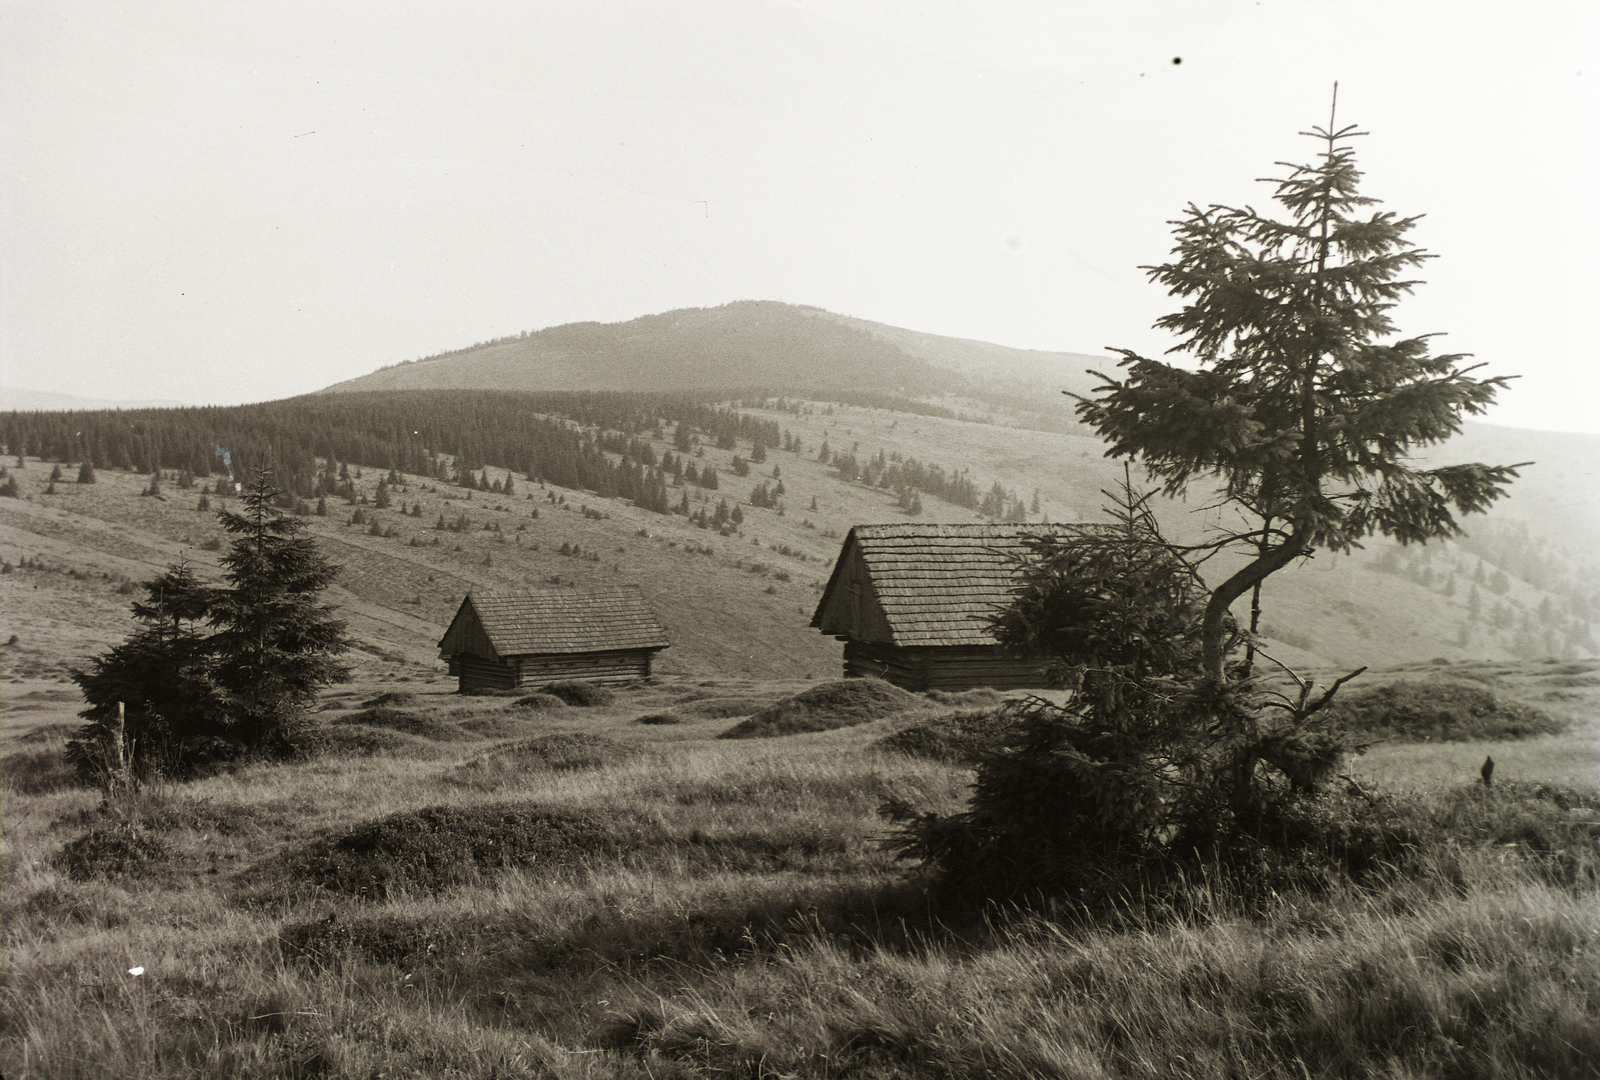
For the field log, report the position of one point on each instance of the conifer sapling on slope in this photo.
(276, 645)
(1304, 405)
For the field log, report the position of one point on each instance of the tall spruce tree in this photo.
(1304, 405)
(275, 644)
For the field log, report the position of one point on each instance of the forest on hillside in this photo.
(595, 441)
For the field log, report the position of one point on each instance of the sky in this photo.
(224, 202)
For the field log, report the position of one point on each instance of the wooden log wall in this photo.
(531, 672)
(957, 667)
(478, 673)
(618, 666)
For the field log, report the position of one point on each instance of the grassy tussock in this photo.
(1439, 710)
(958, 738)
(725, 908)
(823, 708)
(511, 763)
(440, 847)
(538, 702)
(584, 695)
(407, 722)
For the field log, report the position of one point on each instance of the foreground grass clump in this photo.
(1440, 711)
(958, 738)
(513, 762)
(443, 846)
(584, 695)
(359, 740)
(539, 701)
(420, 724)
(822, 708)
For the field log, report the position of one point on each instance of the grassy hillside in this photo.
(750, 344)
(485, 887)
(734, 605)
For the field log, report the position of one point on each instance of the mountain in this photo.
(749, 345)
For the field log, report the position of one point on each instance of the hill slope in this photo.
(745, 345)
(736, 604)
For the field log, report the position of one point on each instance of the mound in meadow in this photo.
(1436, 710)
(580, 694)
(958, 738)
(822, 708)
(420, 724)
(439, 847)
(512, 762)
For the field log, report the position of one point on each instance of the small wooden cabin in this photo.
(911, 603)
(507, 640)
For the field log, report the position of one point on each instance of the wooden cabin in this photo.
(911, 603)
(510, 640)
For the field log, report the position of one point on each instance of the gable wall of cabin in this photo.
(467, 636)
(852, 609)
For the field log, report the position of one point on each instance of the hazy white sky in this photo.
(223, 202)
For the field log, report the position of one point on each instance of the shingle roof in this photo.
(568, 620)
(938, 584)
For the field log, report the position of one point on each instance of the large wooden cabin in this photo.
(912, 602)
(511, 640)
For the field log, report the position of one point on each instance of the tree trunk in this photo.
(1214, 628)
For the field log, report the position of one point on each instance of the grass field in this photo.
(484, 887)
(478, 889)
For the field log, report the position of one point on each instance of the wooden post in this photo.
(119, 779)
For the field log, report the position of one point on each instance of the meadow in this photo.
(476, 887)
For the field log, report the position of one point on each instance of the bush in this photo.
(822, 708)
(443, 846)
(960, 738)
(659, 718)
(581, 694)
(1440, 711)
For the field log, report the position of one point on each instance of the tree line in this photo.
(590, 441)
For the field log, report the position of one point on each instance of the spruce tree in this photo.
(86, 472)
(1304, 405)
(276, 644)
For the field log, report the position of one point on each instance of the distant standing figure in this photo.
(1487, 772)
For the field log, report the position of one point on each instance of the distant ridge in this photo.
(23, 399)
(743, 345)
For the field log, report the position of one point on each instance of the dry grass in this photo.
(677, 905)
